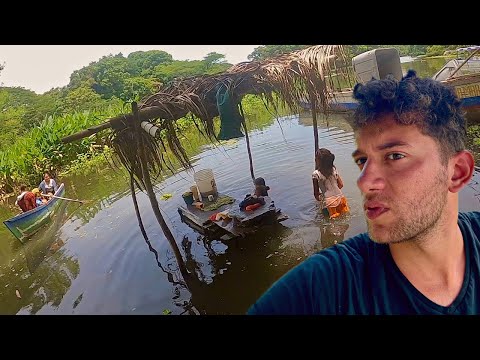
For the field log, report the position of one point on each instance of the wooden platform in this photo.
(240, 224)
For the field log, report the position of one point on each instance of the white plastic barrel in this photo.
(205, 182)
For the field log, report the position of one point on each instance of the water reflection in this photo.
(39, 273)
(238, 267)
(425, 67)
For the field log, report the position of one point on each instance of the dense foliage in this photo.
(31, 125)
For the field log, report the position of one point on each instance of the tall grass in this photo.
(41, 149)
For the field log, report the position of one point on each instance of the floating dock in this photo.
(238, 224)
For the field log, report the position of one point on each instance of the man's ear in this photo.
(462, 164)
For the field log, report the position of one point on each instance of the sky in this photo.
(43, 67)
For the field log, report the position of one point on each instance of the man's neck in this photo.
(434, 263)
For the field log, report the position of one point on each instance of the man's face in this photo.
(402, 180)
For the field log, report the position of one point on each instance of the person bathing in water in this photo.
(327, 181)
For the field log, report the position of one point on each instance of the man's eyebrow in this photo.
(392, 144)
(356, 153)
(387, 145)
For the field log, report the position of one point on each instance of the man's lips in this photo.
(374, 209)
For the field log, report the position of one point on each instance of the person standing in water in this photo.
(327, 180)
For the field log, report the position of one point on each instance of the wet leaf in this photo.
(167, 312)
(166, 196)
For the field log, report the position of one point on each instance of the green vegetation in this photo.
(111, 79)
(41, 148)
(266, 51)
(473, 142)
(31, 125)
(409, 50)
(474, 134)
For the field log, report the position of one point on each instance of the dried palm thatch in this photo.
(300, 76)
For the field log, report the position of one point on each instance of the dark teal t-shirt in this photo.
(359, 276)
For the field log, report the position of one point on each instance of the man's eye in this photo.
(395, 156)
(360, 161)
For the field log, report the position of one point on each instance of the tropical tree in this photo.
(267, 51)
(142, 63)
(80, 99)
(213, 58)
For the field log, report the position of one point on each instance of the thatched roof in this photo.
(300, 76)
(295, 77)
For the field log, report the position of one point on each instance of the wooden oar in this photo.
(59, 197)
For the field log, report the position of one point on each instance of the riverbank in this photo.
(42, 148)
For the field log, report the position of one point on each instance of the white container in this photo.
(377, 63)
(205, 182)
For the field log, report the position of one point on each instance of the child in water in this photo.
(260, 188)
(253, 202)
(327, 180)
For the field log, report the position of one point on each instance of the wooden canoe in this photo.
(28, 223)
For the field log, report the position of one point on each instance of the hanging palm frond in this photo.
(300, 76)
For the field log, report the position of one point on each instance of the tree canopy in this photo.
(116, 77)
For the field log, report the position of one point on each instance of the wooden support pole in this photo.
(151, 194)
(314, 120)
(247, 141)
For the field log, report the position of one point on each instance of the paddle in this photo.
(59, 197)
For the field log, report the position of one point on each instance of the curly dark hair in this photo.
(426, 103)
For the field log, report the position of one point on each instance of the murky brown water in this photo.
(94, 260)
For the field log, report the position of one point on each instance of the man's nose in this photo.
(371, 177)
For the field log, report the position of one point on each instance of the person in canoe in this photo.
(48, 185)
(26, 200)
(38, 197)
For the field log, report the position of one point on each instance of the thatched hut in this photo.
(297, 77)
(300, 76)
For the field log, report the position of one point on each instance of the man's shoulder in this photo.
(470, 217)
(470, 223)
(313, 285)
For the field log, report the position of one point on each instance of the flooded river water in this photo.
(93, 259)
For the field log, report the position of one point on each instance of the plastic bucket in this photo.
(205, 182)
